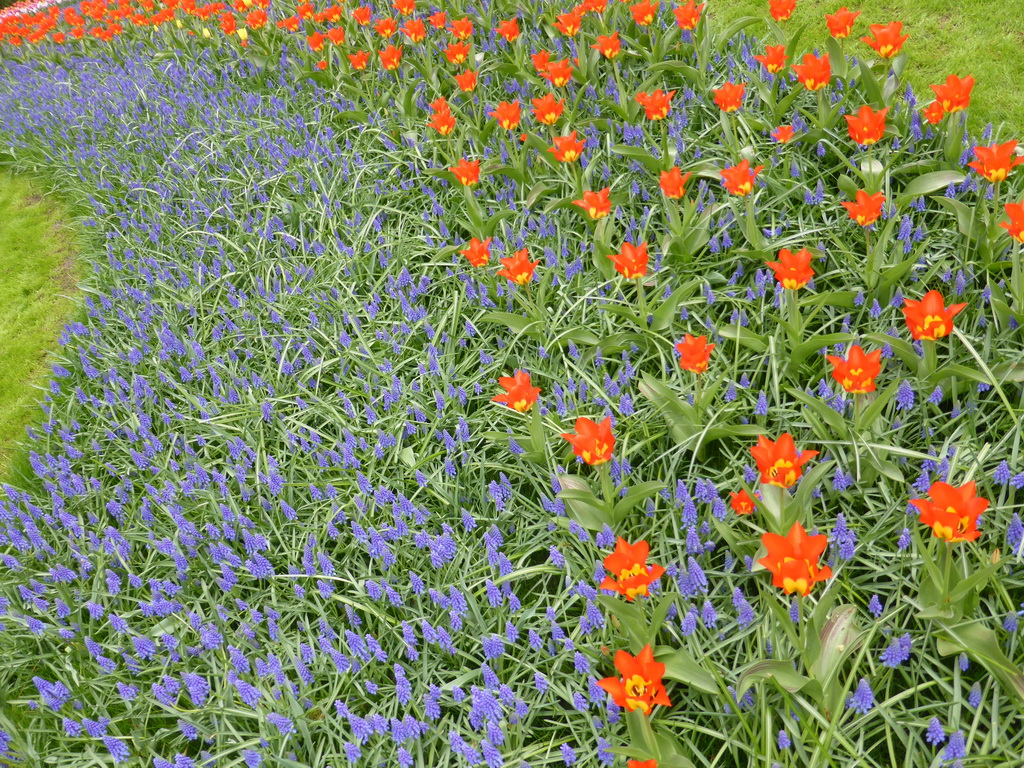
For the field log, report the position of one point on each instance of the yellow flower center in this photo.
(782, 474)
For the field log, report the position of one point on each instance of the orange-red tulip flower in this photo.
(547, 110)
(643, 12)
(507, 114)
(694, 353)
(596, 204)
(781, 9)
(934, 112)
(508, 29)
(642, 763)
(462, 28)
(793, 560)
(415, 30)
(741, 503)
(336, 35)
(567, 148)
(608, 45)
(569, 23)
(657, 105)
(478, 252)
(457, 53)
(793, 270)
(739, 179)
(386, 27)
(391, 57)
(467, 172)
(540, 60)
(840, 23)
(631, 576)
(518, 268)
(315, 41)
(520, 394)
(996, 162)
(359, 59)
(929, 318)
(1015, 226)
(955, 94)
(815, 73)
(438, 20)
(592, 442)
(361, 15)
(558, 73)
(866, 209)
(952, 513)
(774, 58)
(467, 80)
(783, 134)
(887, 39)
(443, 122)
(688, 14)
(778, 462)
(867, 126)
(641, 685)
(856, 374)
(729, 97)
(673, 183)
(631, 262)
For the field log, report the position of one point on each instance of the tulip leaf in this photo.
(649, 161)
(874, 410)
(666, 313)
(825, 412)
(927, 183)
(744, 336)
(514, 322)
(966, 220)
(981, 644)
(802, 497)
(682, 667)
(809, 347)
(583, 506)
(634, 496)
(782, 672)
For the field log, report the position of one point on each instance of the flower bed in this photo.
(458, 389)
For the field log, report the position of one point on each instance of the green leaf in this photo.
(514, 322)
(682, 667)
(835, 420)
(927, 183)
(812, 345)
(583, 506)
(744, 336)
(782, 672)
(649, 161)
(982, 645)
(969, 225)
(634, 496)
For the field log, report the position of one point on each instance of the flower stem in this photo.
(607, 489)
(793, 311)
(641, 301)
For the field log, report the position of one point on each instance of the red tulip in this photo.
(739, 179)
(519, 394)
(929, 318)
(856, 374)
(641, 685)
(952, 513)
(778, 462)
(793, 560)
(887, 39)
(694, 353)
(592, 442)
(630, 574)
(866, 209)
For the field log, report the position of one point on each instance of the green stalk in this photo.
(1016, 281)
(641, 301)
(607, 489)
(793, 312)
(930, 361)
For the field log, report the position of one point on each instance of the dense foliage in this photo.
(275, 515)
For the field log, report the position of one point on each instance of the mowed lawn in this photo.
(39, 275)
(983, 38)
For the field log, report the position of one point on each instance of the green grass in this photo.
(983, 38)
(38, 278)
